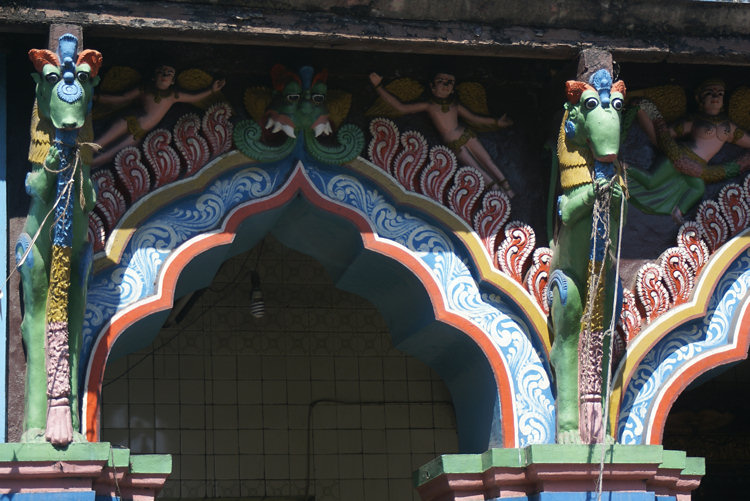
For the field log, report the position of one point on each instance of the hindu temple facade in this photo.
(374, 250)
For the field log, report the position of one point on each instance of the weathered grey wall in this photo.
(637, 30)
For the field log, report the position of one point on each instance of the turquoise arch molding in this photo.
(371, 237)
(711, 331)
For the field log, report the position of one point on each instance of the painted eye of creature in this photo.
(318, 98)
(617, 103)
(292, 98)
(591, 103)
(52, 78)
(83, 76)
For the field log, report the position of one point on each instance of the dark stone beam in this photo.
(679, 31)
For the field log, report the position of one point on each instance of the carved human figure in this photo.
(679, 181)
(153, 105)
(446, 112)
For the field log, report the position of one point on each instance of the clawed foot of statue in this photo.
(569, 437)
(502, 185)
(59, 425)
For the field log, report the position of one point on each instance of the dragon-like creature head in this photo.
(65, 82)
(593, 118)
(299, 102)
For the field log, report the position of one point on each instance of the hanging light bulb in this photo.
(257, 305)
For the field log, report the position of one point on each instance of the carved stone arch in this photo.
(477, 328)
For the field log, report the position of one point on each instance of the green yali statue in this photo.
(53, 254)
(582, 281)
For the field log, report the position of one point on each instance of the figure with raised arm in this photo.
(152, 104)
(679, 181)
(446, 114)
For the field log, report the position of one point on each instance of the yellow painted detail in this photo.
(132, 221)
(120, 236)
(573, 162)
(666, 323)
(59, 285)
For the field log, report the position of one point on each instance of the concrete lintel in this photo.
(545, 470)
(504, 35)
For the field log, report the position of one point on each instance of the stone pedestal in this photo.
(553, 472)
(79, 472)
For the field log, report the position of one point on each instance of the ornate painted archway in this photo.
(423, 266)
(420, 264)
(709, 331)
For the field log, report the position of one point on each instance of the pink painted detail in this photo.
(59, 431)
(454, 486)
(48, 476)
(630, 317)
(669, 482)
(522, 481)
(734, 208)
(464, 194)
(384, 143)
(506, 482)
(590, 357)
(590, 419)
(514, 251)
(110, 203)
(192, 146)
(712, 225)
(97, 234)
(408, 162)
(25, 485)
(162, 158)
(217, 128)
(678, 274)
(131, 173)
(109, 480)
(652, 293)
(566, 477)
(538, 275)
(440, 169)
(490, 218)
(142, 487)
(689, 239)
(58, 365)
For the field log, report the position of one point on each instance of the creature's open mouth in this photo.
(280, 123)
(322, 126)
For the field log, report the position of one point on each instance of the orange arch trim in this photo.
(678, 384)
(298, 183)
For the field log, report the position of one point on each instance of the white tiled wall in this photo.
(248, 406)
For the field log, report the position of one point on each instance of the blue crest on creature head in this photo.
(306, 75)
(69, 89)
(602, 82)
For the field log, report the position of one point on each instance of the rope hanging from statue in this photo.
(65, 192)
(613, 320)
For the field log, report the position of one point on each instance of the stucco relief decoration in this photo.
(299, 111)
(298, 125)
(458, 173)
(138, 153)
